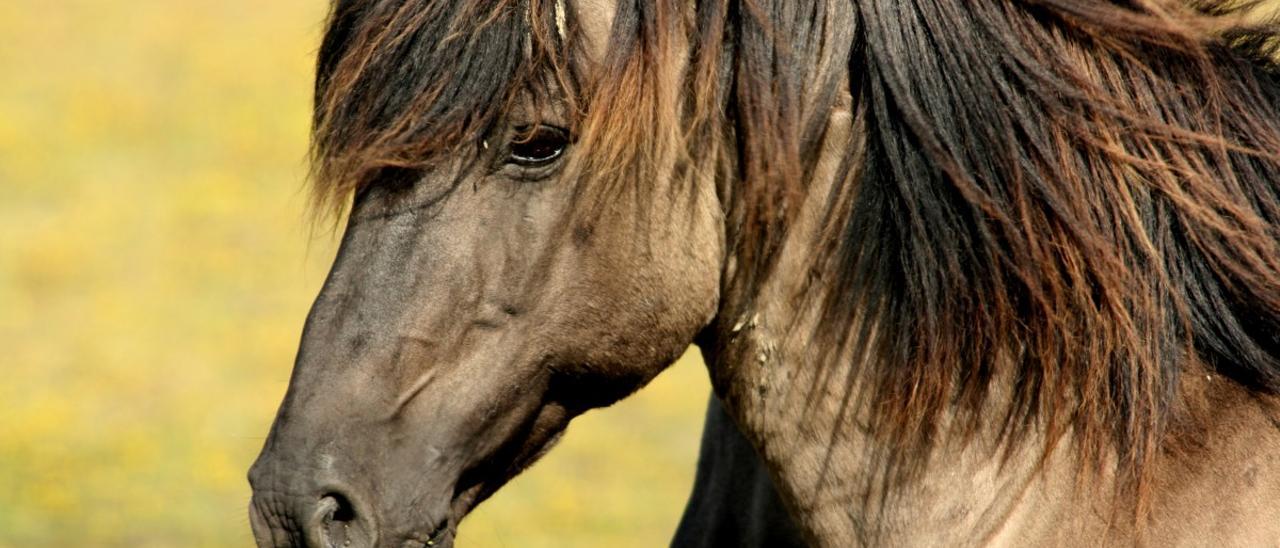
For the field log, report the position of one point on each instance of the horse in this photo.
(999, 272)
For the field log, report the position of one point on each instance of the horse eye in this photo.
(538, 146)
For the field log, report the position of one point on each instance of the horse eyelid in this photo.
(540, 146)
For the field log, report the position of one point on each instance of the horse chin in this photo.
(484, 479)
(469, 497)
(476, 484)
(442, 536)
(444, 540)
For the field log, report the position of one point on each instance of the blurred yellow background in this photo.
(155, 270)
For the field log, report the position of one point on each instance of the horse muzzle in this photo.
(316, 518)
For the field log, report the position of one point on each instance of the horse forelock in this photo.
(401, 83)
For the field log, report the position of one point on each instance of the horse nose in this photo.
(330, 520)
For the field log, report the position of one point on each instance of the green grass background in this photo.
(155, 270)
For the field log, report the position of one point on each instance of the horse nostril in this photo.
(336, 524)
(342, 510)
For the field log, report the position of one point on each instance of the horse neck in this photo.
(798, 405)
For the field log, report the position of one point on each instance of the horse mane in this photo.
(1074, 194)
(1078, 195)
